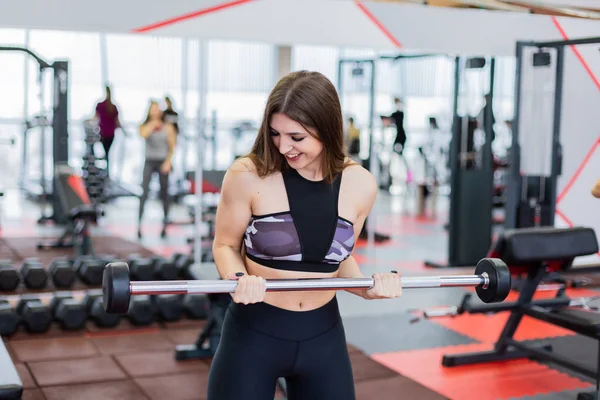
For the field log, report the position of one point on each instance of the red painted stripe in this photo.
(587, 158)
(194, 14)
(577, 53)
(378, 23)
(563, 216)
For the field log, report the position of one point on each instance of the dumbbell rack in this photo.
(94, 177)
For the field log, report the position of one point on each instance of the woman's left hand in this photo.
(165, 168)
(386, 286)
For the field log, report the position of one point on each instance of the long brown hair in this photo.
(310, 99)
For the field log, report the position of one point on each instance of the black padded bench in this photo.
(79, 211)
(11, 387)
(536, 252)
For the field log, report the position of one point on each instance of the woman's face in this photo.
(155, 111)
(296, 144)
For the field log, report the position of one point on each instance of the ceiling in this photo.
(396, 25)
(589, 9)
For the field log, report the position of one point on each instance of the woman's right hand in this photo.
(250, 289)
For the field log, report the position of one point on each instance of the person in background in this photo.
(107, 115)
(397, 118)
(160, 138)
(353, 138)
(596, 189)
(171, 115)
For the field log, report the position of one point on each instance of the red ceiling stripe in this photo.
(191, 15)
(378, 23)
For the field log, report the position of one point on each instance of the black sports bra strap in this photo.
(314, 209)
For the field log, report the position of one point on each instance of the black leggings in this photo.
(261, 343)
(106, 144)
(150, 167)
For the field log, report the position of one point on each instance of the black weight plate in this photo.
(115, 288)
(499, 280)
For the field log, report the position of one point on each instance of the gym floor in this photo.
(392, 357)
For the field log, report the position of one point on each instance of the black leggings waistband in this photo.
(285, 324)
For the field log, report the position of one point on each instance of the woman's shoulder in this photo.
(242, 171)
(358, 177)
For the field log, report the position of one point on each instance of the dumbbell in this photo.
(9, 277)
(195, 305)
(89, 269)
(68, 312)
(35, 315)
(9, 320)
(93, 305)
(182, 263)
(141, 311)
(33, 273)
(169, 307)
(141, 269)
(163, 269)
(62, 273)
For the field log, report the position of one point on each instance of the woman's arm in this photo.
(233, 214)
(596, 189)
(171, 141)
(363, 187)
(147, 129)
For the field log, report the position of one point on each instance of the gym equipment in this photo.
(532, 181)
(215, 308)
(182, 264)
(141, 269)
(169, 307)
(467, 307)
(9, 320)
(492, 280)
(141, 310)
(471, 163)
(89, 269)
(163, 269)
(537, 252)
(9, 278)
(62, 273)
(369, 163)
(69, 313)
(59, 118)
(196, 306)
(33, 273)
(79, 212)
(11, 386)
(95, 310)
(35, 315)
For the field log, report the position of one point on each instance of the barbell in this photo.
(491, 280)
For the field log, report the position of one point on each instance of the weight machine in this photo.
(60, 134)
(471, 163)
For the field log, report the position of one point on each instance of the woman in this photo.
(160, 138)
(289, 210)
(107, 115)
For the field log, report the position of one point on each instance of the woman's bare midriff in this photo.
(293, 301)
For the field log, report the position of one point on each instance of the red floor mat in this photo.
(479, 382)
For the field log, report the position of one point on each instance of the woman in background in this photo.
(107, 115)
(160, 138)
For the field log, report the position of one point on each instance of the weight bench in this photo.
(74, 199)
(536, 252)
(11, 387)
